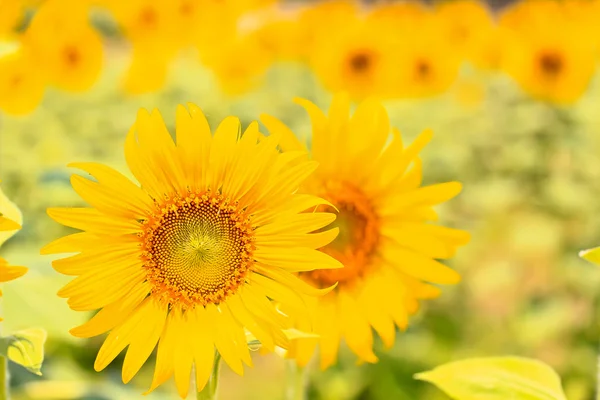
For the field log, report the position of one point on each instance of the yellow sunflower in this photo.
(548, 54)
(386, 243)
(190, 257)
(466, 24)
(22, 84)
(10, 222)
(428, 64)
(67, 45)
(10, 16)
(359, 59)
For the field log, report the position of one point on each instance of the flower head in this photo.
(190, 257)
(66, 44)
(546, 52)
(22, 85)
(386, 242)
(358, 59)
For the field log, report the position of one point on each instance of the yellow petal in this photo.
(288, 140)
(149, 330)
(420, 267)
(114, 313)
(89, 219)
(356, 329)
(124, 334)
(296, 259)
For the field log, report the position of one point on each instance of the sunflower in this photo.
(191, 257)
(466, 24)
(233, 77)
(426, 65)
(548, 54)
(358, 59)
(10, 17)
(10, 222)
(22, 85)
(385, 242)
(146, 73)
(66, 44)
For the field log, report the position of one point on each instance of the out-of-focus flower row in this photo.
(390, 50)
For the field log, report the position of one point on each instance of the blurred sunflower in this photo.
(317, 20)
(156, 29)
(22, 84)
(235, 77)
(146, 73)
(358, 59)
(191, 257)
(11, 14)
(426, 65)
(282, 37)
(550, 55)
(385, 242)
(466, 24)
(70, 49)
(10, 222)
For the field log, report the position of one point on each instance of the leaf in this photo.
(592, 255)
(25, 348)
(496, 378)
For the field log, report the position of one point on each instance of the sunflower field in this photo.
(299, 200)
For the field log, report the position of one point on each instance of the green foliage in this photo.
(495, 379)
(25, 348)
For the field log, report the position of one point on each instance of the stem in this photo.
(598, 378)
(210, 390)
(4, 378)
(296, 381)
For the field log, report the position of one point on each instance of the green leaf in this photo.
(496, 378)
(25, 348)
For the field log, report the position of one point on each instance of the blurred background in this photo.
(511, 92)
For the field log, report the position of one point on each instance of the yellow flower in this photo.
(189, 258)
(147, 22)
(22, 84)
(235, 77)
(10, 222)
(359, 59)
(466, 24)
(68, 47)
(318, 20)
(11, 15)
(548, 54)
(146, 73)
(282, 36)
(386, 242)
(427, 64)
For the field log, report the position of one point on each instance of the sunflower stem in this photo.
(296, 381)
(210, 390)
(598, 377)
(4, 378)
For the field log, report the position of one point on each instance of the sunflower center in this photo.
(358, 239)
(422, 69)
(551, 64)
(360, 62)
(186, 8)
(197, 250)
(72, 56)
(148, 17)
